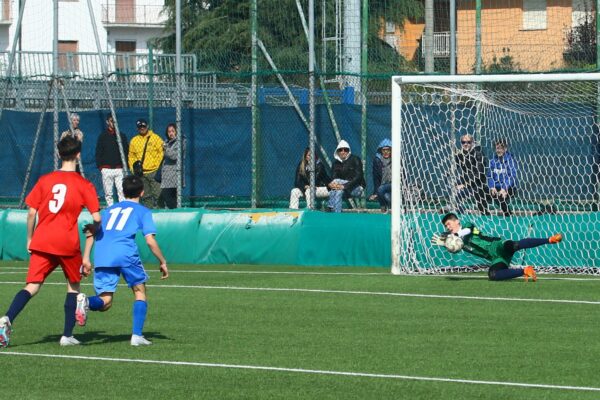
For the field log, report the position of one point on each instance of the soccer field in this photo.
(250, 332)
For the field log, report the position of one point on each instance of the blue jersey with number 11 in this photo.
(115, 243)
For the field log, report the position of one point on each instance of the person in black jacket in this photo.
(302, 181)
(109, 161)
(472, 181)
(348, 179)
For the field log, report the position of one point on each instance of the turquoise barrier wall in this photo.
(313, 238)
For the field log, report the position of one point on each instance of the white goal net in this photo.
(516, 155)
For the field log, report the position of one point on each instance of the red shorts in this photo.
(42, 264)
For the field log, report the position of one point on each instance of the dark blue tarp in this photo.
(218, 160)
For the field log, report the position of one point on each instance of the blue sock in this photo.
(70, 305)
(18, 304)
(531, 242)
(504, 274)
(140, 309)
(96, 303)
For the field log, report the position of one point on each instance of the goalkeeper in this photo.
(497, 251)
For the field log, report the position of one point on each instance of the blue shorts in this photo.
(107, 278)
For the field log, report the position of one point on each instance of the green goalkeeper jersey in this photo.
(488, 247)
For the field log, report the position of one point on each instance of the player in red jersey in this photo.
(57, 199)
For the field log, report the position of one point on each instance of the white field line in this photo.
(307, 371)
(353, 292)
(241, 272)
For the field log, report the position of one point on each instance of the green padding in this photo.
(176, 235)
(313, 238)
(14, 235)
(253, 237)
(345, 239)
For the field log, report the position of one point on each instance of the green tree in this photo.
(218, 32)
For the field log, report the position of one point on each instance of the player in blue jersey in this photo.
(117, 254)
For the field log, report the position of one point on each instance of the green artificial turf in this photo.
(250, 332)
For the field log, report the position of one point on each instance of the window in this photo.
(68, 60)
(125, 62)
(534, 14)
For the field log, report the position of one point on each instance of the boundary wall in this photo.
(314, 238)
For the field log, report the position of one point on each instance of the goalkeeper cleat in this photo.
(69, 341)
(137, 340)
(529, 272)
(556, 238)
(5, 330)
(81, 309)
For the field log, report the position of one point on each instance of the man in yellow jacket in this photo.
(144, 159)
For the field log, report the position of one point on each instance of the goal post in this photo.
(548, 127)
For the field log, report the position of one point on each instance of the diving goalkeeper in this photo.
(497, 251)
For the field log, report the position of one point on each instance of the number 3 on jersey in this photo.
(60, 191)
(122, 214)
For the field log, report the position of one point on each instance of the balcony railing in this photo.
(144, 15)
(88, 65)
(441, 44)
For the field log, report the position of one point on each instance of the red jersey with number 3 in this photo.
(59, 198)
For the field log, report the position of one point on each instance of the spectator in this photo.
(75, 131)
(169, 175)
(502, 176)
(471, 164)
(382, 175)
(302, 181)
(348, 180)
(109, 161)
(146, 152)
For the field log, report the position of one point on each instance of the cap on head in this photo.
(141, 123)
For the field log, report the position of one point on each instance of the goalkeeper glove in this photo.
(438, 239)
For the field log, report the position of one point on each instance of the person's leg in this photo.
(118, 180)
(161, 199)
(461, 196)
(136, 278)
(140, 309)
(170, 198)
(481, 200)
(295, 195)
(529, 243)
(107, 185)
(70, 306)
(321, 192)
(501, 272)
(335, 200)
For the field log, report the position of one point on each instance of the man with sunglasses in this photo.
(472, 180)
(348, 179)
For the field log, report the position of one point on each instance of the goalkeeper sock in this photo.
(95, 303)
(531, 242)
(70, 305)
(140, 309)
(504, 274)
(18, 304)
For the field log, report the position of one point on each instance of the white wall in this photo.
(74, 24)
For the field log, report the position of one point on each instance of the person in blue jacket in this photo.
(382, 175)
(502, 176)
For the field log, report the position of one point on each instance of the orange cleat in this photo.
(529, 272)
(556, 238)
